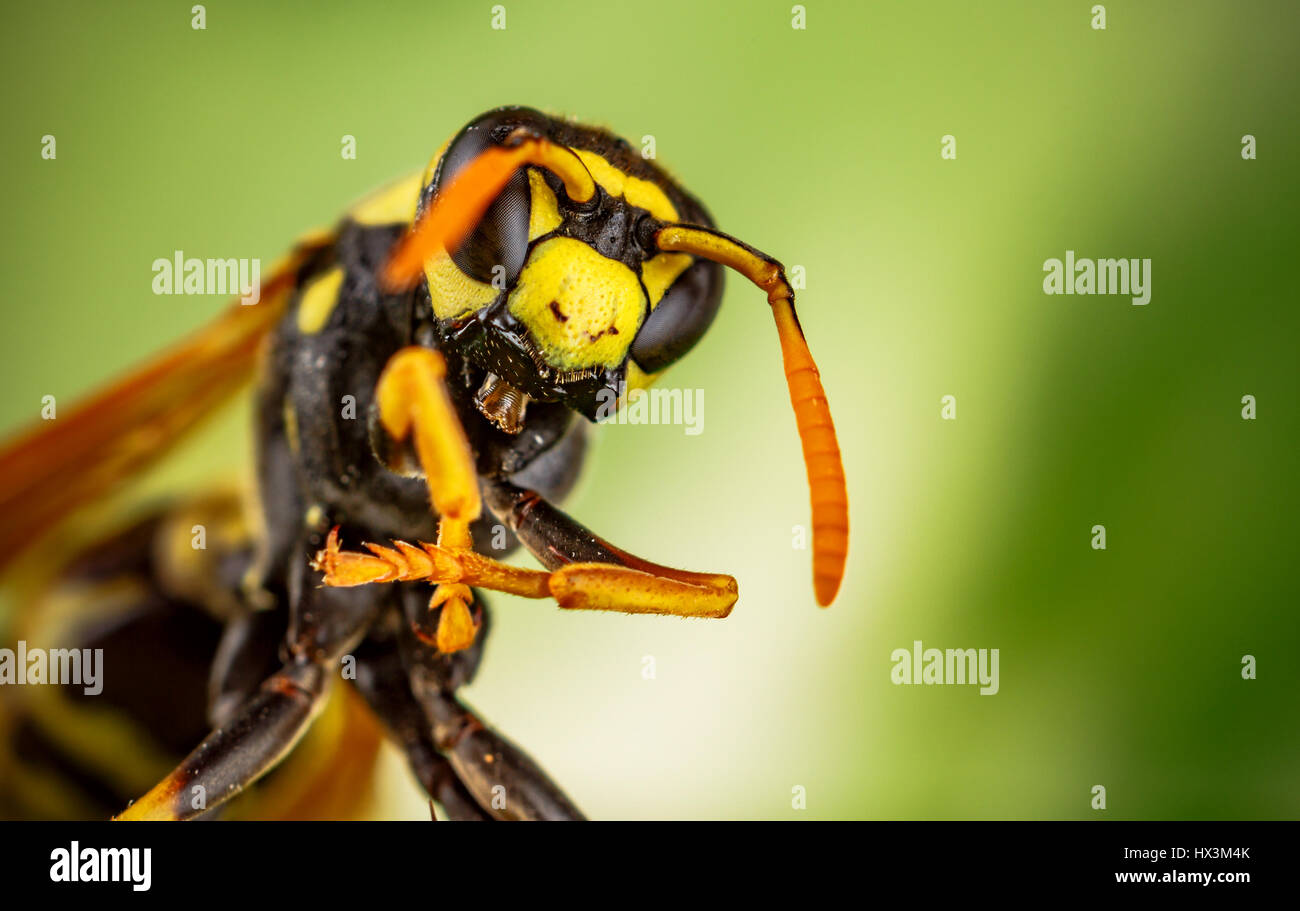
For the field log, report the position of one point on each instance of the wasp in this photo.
(426, 373)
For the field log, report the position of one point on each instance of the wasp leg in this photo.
(323, 625)
(500, 775)
(414, 406)
(246, 656)
(623, 583)
(265, 728)
(503, 779)
(589, 573)
(382, 681)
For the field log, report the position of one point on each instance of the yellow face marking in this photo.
(660, 272)
(544, 215)
(452, 292)
(636, 191)
(318, 300)
(582, 309)
(394, 204)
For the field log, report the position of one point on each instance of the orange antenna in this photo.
(821, 450)
(460, 205)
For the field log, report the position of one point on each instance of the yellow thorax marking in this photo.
(394, 204)
(318, 300)
(290, 416)
(583, 309)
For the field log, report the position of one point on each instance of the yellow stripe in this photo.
(544, 215)
(43, 793)
(638, 378)
(318, 301)
(290, 415)
(105, 740)
(451, 291)
(659, 273)
(392, 204)
(636, 191)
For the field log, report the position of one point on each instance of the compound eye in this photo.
(681, 318)
(501, 238)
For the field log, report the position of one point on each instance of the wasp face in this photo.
(560, 300)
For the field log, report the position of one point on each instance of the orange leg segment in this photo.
(645, 589)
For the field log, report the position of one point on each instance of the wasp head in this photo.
(557, 290)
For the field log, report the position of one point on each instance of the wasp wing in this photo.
(59, 466)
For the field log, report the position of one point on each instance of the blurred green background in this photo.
(822, 146)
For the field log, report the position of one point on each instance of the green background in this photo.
(822, 146)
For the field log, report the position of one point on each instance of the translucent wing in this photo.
(63, 464)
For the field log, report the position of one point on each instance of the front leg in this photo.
(581, 560)
(591, 573)
(414, 405)
(588, 572)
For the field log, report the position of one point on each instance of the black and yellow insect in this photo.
(534, 273)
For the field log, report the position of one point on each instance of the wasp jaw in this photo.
(502, 404)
